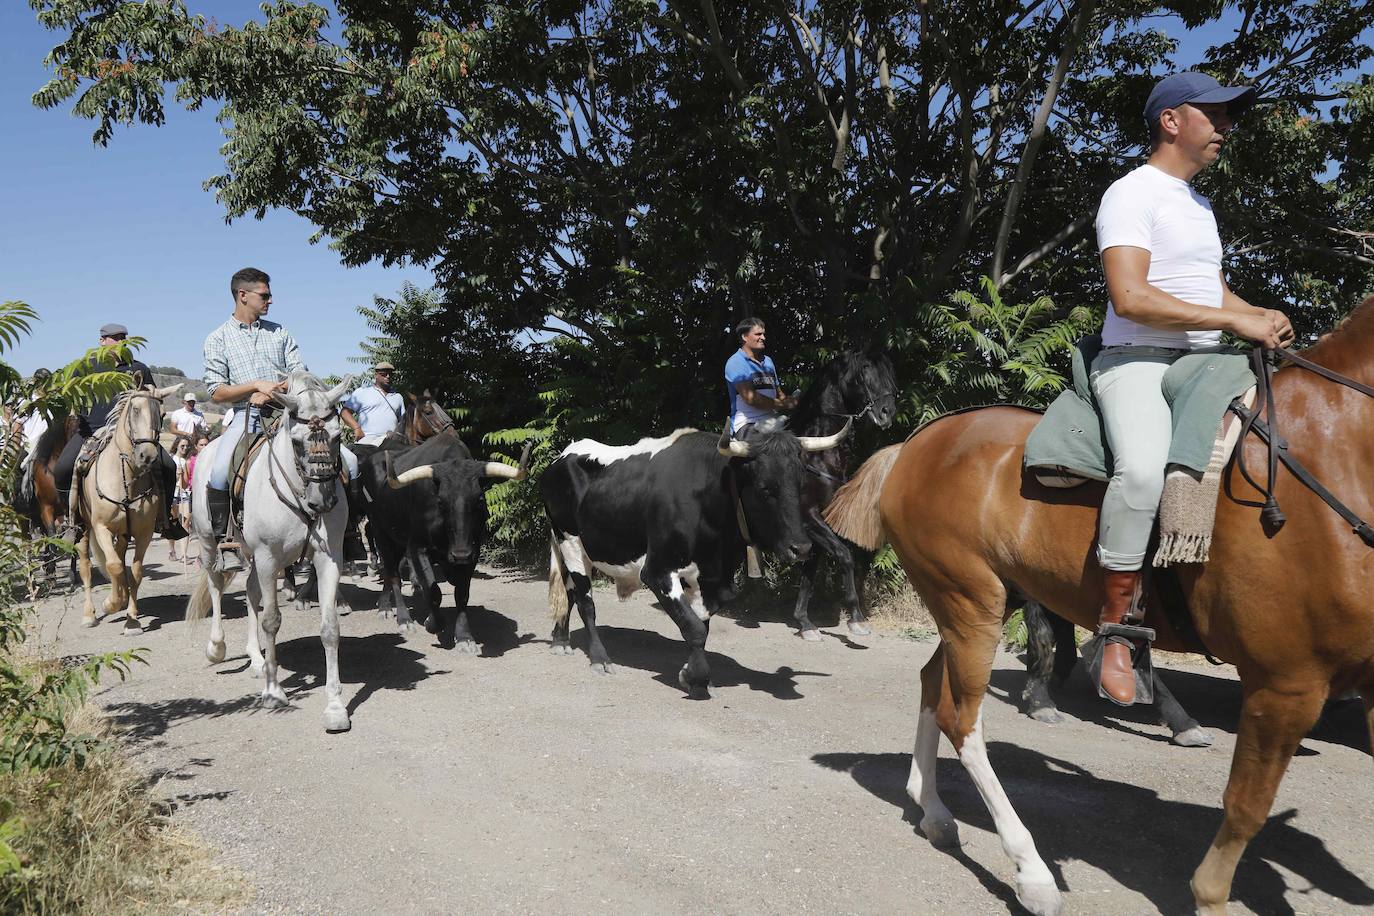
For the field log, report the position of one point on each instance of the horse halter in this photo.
(321, 462)
(428, 415)
(127, 423)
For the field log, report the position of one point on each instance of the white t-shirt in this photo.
(1150, 209)
(187, 421)
(378, 412)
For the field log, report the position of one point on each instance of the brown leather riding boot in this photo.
(1118, 674)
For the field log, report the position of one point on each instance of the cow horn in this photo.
(731, 448)
(821, 443)
(497, 469)
(161, 393)
(423, 472)
(340, 389)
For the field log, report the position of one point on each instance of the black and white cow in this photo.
(428, 504)
(672, 515)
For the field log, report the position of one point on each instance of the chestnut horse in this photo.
(1291, 612)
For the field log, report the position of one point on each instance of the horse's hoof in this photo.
(1040, 899)
(942, 834)
(255, 670)
(560, 649)
(811, 635)
(467, 647)
(336, 720)
(603, 668)
(214, 652)
(859, 628)
(1047, 714)
(272, 701)
(433, 624)
(694, 691)
(1196, 736)
(408, 627)
(89, 621)
(132, 628)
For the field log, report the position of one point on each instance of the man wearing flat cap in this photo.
(90, 423)
(1161, 254)
(374, 410)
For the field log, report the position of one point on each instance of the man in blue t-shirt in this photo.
(751, 380)
(377, 408)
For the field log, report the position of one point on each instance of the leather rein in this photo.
(126, 426)
(1271, 516)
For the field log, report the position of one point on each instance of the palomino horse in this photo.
(852, 385)
(120, 500)
(1291, 611)
(293, 500)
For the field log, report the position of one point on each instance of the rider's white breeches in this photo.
(1139, 427)
(224, 450)
(224, 446)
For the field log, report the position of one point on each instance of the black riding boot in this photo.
(353, 547)
(218, 503)
(171, 525)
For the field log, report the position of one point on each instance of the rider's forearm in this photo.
(228, 394)
(1151, 306)
(1233, 303)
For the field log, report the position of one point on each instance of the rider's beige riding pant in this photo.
(1139, 427)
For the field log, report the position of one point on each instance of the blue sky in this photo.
(125, 233)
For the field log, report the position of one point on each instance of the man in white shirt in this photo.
(374, 410)
(187, 420)
(1161, 254)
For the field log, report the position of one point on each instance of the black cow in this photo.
(672, 515)
(427, 504)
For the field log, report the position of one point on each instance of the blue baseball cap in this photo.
(1191, 86)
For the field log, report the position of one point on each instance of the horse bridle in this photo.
(125, 461)
(434, 429)
(1271, 516)
(318, 466)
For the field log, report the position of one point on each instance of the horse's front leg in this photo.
(253, 599)
(83, 562)
(132, 625)
(327, 574)
(107, 544)
(265, 574)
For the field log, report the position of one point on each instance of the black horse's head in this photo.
(867, 383)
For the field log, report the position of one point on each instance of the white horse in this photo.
(293, 505)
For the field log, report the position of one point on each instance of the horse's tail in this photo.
(853, 511)
(558, 578)
(199, 602)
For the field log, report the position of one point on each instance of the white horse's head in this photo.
(314, 429)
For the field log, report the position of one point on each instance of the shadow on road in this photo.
(1146, 843)
(650, 651)
(1213, 701)
(380, 661)
(140, 722)
(496, 633)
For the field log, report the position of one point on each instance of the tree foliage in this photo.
(602, 188)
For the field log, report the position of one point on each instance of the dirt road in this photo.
(519, 781)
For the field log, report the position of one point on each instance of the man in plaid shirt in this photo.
(246, 362)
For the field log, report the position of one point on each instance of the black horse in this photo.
(1051, 652)
(851, 386)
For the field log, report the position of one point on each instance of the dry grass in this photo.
(900, 612)
(94, 841)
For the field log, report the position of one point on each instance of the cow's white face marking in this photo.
(609, 454)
